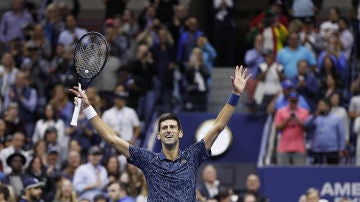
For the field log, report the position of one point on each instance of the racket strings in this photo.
(90, 55)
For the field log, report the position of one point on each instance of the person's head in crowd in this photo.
(7, 60)
(192, 24)
(70, 21)
(11, 112)
(52, 157)
(209, 174)
(335, 99)
(329, 62)
(343, 23)
(293, 98)
(150, 12)
(74, 159)
(36, 166)
(40, 148)
(4, 193)
(32, 189)
(21, 79)
(269, 56)
(323, 107)
(116, 191)
(49, 113)
(120, 96)
(18, 140)
(248, 197)
(180, 12)
(334, 14)
(308, 25)
(59, 97)
(287, 86)
(296, 25)
(303, 67)
(143, 52)
(165, 36)
(259, 42)
(196, 57)
(65, 192)
(252, 183)
(330, 81)
(16, 161)
(224, 196)
(74, 145)
(18, 5)
(293, 40)
(51, 135)
(334, 44)
(100, 198)
(156, 25)
(112, 165)
(128, 16)
(94, 155)
(312, 195)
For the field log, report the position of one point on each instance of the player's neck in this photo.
(171, 153)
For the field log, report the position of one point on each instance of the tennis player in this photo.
(170, 174)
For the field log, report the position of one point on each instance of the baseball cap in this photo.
(95, 150)
(293, 95)
(287, 84)
(32, 183)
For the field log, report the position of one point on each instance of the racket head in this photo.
(90, 56)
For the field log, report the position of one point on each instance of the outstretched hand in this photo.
(239, 79)
(80, 94)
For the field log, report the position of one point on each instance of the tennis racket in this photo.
(90, 55)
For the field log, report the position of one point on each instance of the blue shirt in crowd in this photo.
(170, 181)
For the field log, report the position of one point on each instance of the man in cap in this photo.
(32, 190)
(91, 178)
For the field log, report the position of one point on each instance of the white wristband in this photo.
(89, 112)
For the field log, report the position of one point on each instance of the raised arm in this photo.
(238, 83)
(108, 134)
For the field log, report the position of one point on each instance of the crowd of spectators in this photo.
(160, 60)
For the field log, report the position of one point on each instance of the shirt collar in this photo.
(163, 157)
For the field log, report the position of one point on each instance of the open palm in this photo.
(239, 79)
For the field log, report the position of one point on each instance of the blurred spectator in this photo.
(26, 99)
(290, 55)
(63, 106)
(211, 184)
(39, 149)
(91, 178)
(94, 98)
(249, 198)
(40, 40)
(143, 72)
(16, 178)
(331, 25)
(301, 9)
(12, 120)
(224, 31)
(8, 72)
(122, 119)
(18, 141)
(53, 173)
(52, 24)
(289, 122)
(224, 196)
(65, 192)
(118, 40)
(197, 88)
(327, 141)
(295, 26)
(355, 19)
(147, 16)
(187, 40)
(177, 25)
(274, 9)
(112, 165)
(164, 9)
(164, 61)
(330, 87)
(328, 67)
(100, 198)
(312, 195)
(338, 110)
(51, 138)
(354, 115)
(149, 35)
(133, 180)
(36, 169)
(209, 54)
(129, 24)
(50, 119)
(114, 7)
(253, 187)
(13, 21)
(72, 33)
(346, 36)
(32, 190)
(269, 76)
(274, 33)
(310, 39)
(72, 163)
(117, 193)
(306, 84)
(281, 100)
(4, 193)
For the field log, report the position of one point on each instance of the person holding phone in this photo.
(289, 124)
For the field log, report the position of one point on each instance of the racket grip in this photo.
(76, 113)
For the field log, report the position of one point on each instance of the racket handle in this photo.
(76, 112)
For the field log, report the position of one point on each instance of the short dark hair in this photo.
(168, 116)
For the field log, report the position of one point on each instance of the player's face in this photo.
(169, 133)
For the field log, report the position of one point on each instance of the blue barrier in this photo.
(287, 184)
